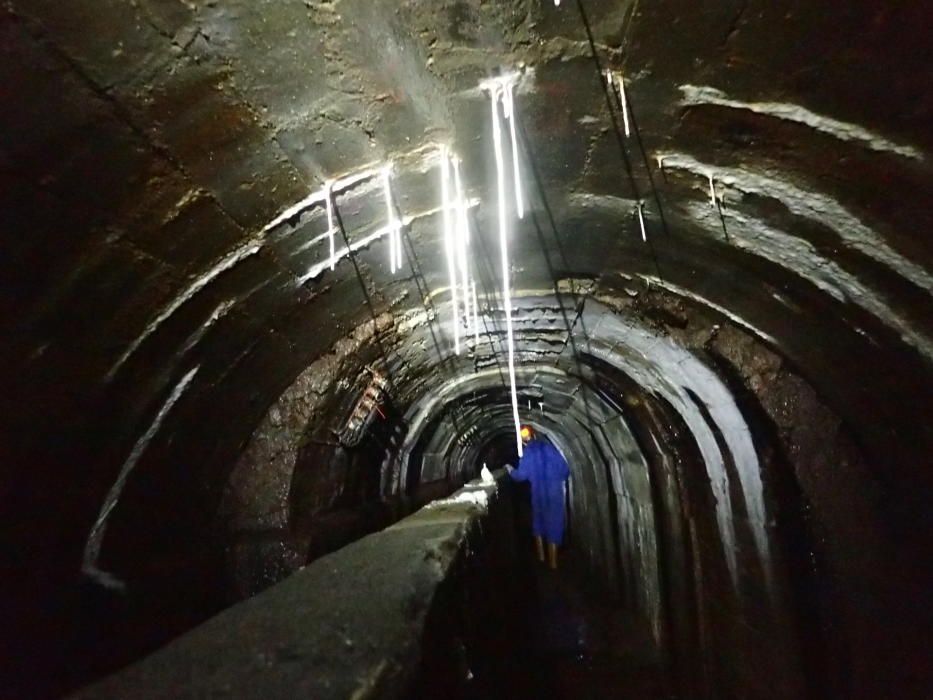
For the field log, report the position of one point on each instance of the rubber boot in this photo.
(539, 548)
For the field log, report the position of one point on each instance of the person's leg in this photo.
(539, 548)
(552, 520)
(552, 554)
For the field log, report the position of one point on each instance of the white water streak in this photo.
(616, 84)
(641, 221)
(463, 242)
(395, 252)
(494, 94)
(681, 291)
(318, 269)
(623, 98)
(815, 206)
(800, 257)
(508, 110)
(449, 247)
(662, 366)
(695, 95)
(331, 229)
(96, 536)
(321, 195)
(475, 317)
(222, 265)
(218, 313)
(397, 237)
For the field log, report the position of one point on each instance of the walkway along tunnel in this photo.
(280, 277)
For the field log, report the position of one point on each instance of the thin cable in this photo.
(487, 284)
(576, 353)
(369, 301)
(601, 73)
(471, 268)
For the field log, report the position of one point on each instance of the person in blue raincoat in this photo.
(547, 470)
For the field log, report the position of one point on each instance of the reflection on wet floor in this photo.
(574, 644)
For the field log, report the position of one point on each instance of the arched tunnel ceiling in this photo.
(162, 291)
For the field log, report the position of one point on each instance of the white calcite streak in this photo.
(696, 95)
(225, 263)
(816, 206)
(251, 247)
(603, 203)
(218, 313)
(663, 367)
(395, 261)
(321, 196)
(721, 310)
(475, 316)
(461, 238)
(331, 228)
(801, 258)
(255, 243)
(616, 83)
(450, 251)
(495, 92)
(508, 111)
(641, 221)
(318, 269)
(96, 536)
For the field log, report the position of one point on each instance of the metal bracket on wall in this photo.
(365, 410)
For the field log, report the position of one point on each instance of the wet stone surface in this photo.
(149, 144)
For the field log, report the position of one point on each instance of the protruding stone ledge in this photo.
(349, 625)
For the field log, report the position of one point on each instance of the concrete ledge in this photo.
(349, 625)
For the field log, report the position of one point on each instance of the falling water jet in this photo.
(449, 243)
(495, 88)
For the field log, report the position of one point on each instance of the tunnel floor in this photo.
(568, 639)
(572, 643)
(580, 646)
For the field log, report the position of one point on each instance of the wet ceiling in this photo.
(160, 311)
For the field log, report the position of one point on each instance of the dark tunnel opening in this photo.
(673, 624)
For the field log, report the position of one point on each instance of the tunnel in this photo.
(281, 277)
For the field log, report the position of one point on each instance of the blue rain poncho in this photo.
(547, 470)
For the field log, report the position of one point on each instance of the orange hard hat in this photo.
(527, 431)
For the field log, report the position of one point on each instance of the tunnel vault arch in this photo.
(619, 480)
(178, 351)
(655, 363)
